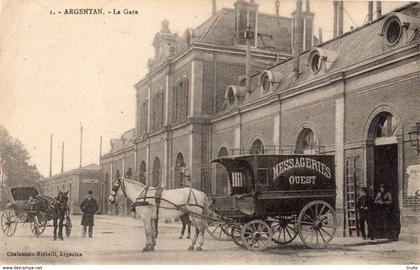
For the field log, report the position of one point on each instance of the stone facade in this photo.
(355, 96)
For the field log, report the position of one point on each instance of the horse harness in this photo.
(141, 200)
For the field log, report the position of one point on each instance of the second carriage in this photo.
(275, 198)
(28, 206)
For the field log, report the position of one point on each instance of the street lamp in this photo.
(414, 136)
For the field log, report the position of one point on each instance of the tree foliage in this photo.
(16, 166)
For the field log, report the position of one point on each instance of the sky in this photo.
(61, 72)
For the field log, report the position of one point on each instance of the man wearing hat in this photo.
(88, 207)
(383, 203)
(365, 207)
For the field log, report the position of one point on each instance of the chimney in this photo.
(245, 15)
(378, 9)
(319, 35)
(308, 22)
(277, 7)
(213, 7)
(335, 3)
(370, 11)
(297, 48)
(340, 18)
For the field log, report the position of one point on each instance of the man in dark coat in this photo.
(88, 207)
(365, 209)
(383, 203)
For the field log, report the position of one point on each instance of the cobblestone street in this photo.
(120, 240)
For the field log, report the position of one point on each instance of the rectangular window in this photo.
(262, 176)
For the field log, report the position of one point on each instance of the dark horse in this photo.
(59, 213)
(55, 209)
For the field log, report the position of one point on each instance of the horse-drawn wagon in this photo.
(276, 198)
(28, 206)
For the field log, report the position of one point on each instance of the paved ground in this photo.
(119, 241)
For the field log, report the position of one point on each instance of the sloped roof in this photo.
(219, 29)
(352, 48)
(91, 168)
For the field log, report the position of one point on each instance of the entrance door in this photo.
(386, 172)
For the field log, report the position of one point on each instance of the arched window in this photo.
(386, 125)
(257, 147)
(129, 174)
(142, 172)
(180, 100)
(222, 179)
(156, 173)
(306, 142)
(179, 173)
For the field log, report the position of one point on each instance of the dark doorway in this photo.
(386, 172)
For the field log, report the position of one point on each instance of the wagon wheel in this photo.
(218, 230)
(68, 226)
(317, 224)
(39, 226)
(35, 226)
(284, 229)
(235, 234)
(8, 223)
(256, 235)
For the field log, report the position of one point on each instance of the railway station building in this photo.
(355, 96)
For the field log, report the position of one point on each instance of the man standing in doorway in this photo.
(383, 202)
(88, 207)
(365, 207)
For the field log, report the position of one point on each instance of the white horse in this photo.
(173, 204)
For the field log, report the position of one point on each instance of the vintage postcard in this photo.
(209, 132)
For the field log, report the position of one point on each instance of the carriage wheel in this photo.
(9, 222)
(235, 234)
(68, 226)
(218, 230)
(256, 235)
(284, 229)
(38, 230)
(35, 226)
(317, 224)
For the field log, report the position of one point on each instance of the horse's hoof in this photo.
(198, 249)
(180, 237)
(188, 237)
(191, 248)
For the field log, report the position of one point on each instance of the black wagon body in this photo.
(276, 197)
